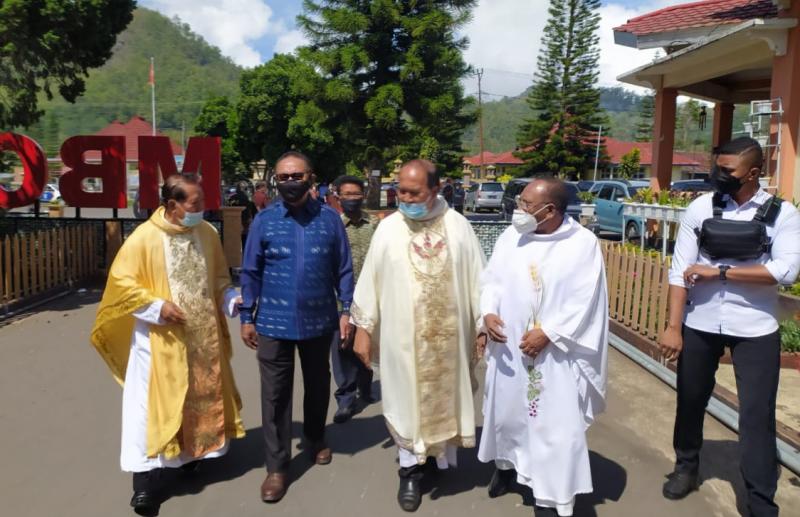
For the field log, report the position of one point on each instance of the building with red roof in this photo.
(728, 52)
(495, 164)
(132, 129)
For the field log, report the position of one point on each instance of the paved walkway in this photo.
(59, 426)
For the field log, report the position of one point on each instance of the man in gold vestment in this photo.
(417, 299)
(160, 328)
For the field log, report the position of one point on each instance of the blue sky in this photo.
(504, 34)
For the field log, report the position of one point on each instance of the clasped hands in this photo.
(532, 344)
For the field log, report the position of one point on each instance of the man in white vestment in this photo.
(417, 298)
(545, 310)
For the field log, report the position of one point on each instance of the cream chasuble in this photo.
(536, 411)
(418, 298)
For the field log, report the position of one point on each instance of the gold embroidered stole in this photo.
(203, 425)
(436, 330)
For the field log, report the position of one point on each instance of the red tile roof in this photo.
(131, 130)
(616, 149)
(706, 13)
(489, 158)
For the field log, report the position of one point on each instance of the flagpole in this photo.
(153, 93)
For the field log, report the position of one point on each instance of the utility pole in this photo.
(597, 152)
(183, 136)
(479, 73)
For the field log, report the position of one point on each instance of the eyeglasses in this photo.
(525, 205)
(290, 176)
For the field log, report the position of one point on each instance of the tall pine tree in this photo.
(560, 138)
(644, 127)
(394, 68)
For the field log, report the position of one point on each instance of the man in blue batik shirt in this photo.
(296, 261)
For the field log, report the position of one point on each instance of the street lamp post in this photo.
(597, 152)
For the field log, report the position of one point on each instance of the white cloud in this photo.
(235, 26)
(505, 36)
(289, 40)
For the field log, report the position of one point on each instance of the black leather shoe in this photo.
(409, 495)
(501, 482)
(145, 503)
(680, 484)
(343, 414)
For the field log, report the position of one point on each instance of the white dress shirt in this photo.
(736, 308)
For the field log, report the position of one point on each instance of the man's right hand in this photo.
(249, 335)
(494, 326)
(362, 346)
(671, 343)
(172, 314)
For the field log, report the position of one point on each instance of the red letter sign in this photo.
(34, 167)
(202, 157)
(111, 170)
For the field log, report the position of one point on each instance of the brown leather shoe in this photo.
(322, 453)
(273, 488)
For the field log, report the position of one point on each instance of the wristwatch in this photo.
(723, 273)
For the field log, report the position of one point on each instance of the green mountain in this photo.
(188, 71)
(503, 117)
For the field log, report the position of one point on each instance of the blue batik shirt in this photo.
(294, 266)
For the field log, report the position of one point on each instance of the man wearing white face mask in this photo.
(160, 328)
(417, 298)
(545, 310)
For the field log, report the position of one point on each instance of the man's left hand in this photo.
(533, 342)
(699, 273)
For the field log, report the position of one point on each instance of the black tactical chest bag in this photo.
(738, 240)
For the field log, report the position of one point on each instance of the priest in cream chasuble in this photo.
(417, 299)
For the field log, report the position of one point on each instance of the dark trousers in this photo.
(756, 364)
(276, 364)
(350, 374)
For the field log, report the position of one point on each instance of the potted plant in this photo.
(587, 204)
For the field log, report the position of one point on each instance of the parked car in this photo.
(509, 202)
(459, 196)
(584, 185)
(515, 188)
(388, 196)
(484, 196)
(50, 193)
(692, 186)
(609, 196)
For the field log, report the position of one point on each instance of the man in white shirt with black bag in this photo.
(734, 248)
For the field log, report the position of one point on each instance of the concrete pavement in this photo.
(60, 422)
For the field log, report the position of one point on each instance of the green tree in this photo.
(52, 43)
(630, 164)
(393, 69)
(281, 107)
(219, 118)
(564, 99)
(644, 127)
(52, 135)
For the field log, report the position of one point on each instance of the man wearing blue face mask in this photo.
(418, 298)
(160, 327)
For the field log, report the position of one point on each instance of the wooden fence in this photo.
(37, 262)
(637, 289)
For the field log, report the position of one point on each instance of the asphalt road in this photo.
(60, 428)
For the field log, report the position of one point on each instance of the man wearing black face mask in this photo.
(353, 378)
(733, 249)
(296, 265)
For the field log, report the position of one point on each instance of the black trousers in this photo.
(756, 364)
(276, 364)
(350, 374)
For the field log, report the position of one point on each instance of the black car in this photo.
(692, 186)
(515, 188)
